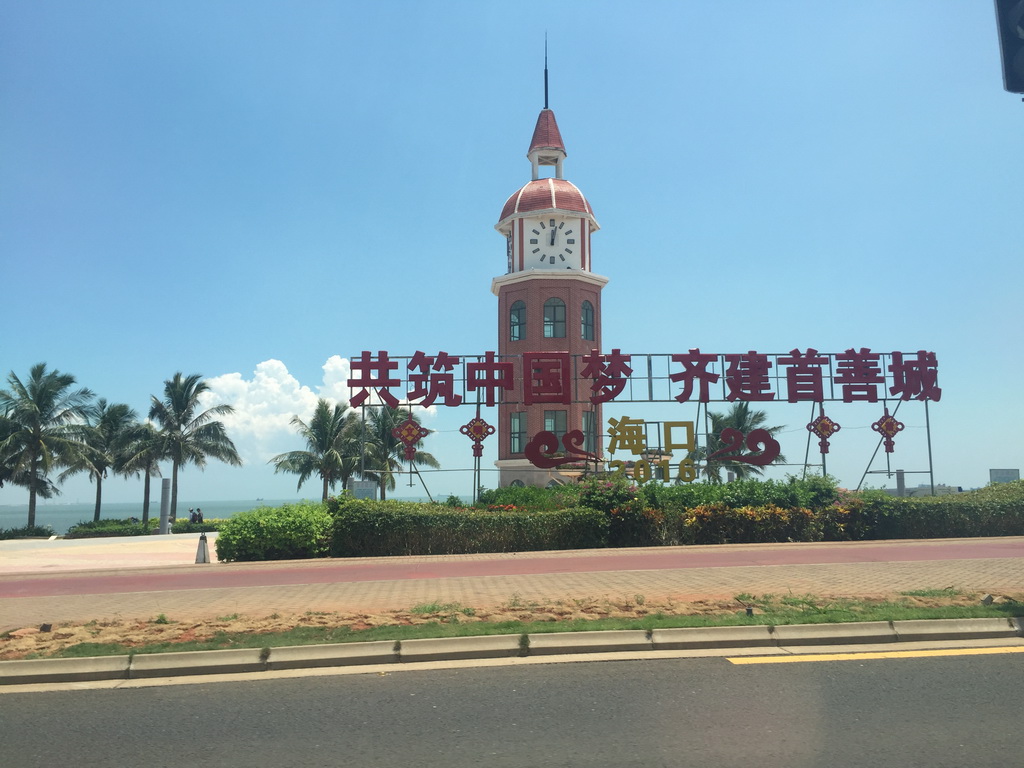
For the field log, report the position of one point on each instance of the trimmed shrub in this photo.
(288, 532)
(530, 497)
(28, 532)
(184, 526)
(631, 522)
(615, 512)
(811, 493)
(721, 524)
(109, 528)
(366, 528)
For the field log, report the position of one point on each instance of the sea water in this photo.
(60, 516)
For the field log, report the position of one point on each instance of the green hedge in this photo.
(616, 513)
(288, 532)
(531, 497)
(993, 511)
(810, 493)
(364, 528)
(212, 524)
(28, 532)
(112, 527)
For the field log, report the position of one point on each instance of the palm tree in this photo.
(190, 436)
(332, 447)
(107, 432)
(745, 421)
(142, 455)
(383, 452)
(41, 429)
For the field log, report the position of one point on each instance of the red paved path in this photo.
(333, 571)
(157, 575)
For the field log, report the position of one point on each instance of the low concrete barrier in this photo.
(836, 634)
(26, 671)
(146, 665)
(685, 638)
(589, 642)
(334, 655)
(955, 629)
(483, 647)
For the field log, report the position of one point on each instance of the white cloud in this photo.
(336, 375)
(266, 403)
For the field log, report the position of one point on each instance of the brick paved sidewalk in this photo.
(175, 555)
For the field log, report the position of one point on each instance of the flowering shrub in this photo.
(720, 524)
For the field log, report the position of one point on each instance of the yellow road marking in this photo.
(872, 655)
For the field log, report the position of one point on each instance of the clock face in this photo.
(551, 243)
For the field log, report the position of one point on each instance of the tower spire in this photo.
(545, 70)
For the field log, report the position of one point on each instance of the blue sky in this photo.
(258, 191)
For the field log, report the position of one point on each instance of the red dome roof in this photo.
(546, 195)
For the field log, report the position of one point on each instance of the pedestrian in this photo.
(199, 515)
(191, 515)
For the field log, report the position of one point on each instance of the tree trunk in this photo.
(99, 499)
(145, 499)
(34, 464)
(174, 491)
(326, 488)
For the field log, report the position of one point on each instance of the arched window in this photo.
(554, 319)
(517, 322)
(517, 483)
(587, 321)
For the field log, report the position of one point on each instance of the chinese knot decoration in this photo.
(477, 430)
(824, 428)
(409, 433)
(887, 427)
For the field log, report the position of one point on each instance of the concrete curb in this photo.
(156, 665)
(334, 655)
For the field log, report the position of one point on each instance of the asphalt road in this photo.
(955, 712)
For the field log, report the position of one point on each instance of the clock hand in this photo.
(552, 236)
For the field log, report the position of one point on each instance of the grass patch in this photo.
(429, 609)
(769, 609)
(947, 592)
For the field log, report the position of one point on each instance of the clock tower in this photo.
(549, 311)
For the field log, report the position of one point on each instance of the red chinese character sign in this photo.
(888, 427)
(562, 379)
(548, 377)
(477, 430)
